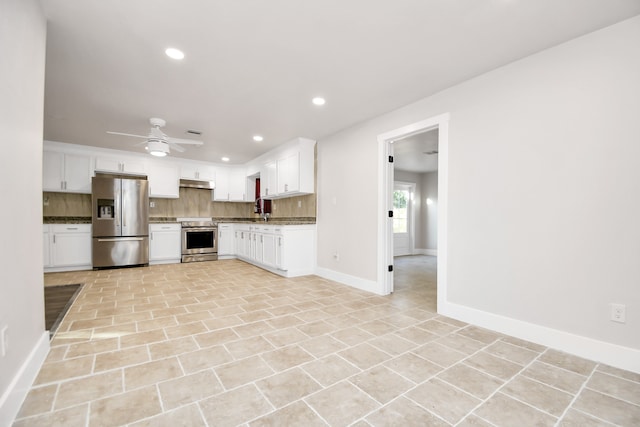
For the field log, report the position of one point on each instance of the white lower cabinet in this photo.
(165, 245)
(287, 250)
(269, 249)
(46, 247)
(226, 241)
(242, 237)
(67, 247)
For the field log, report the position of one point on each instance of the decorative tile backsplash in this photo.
(192, 203)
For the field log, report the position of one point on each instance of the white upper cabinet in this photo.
(198, 172)
(268, 180)
(163, 179)
(66, 172)
(238, 185)
(292, 173)
(231, 185)
(128, 165)
(285, 171)
(289, 173)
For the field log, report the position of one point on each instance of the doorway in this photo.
(403, 218)
(386, 187)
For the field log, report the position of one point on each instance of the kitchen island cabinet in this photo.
(286, 250)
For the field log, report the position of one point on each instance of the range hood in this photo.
(192, 183)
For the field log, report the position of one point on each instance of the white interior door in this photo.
(403, 193)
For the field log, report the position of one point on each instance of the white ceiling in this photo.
(252, 66)
(416, 153)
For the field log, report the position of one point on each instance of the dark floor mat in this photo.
(57, 300)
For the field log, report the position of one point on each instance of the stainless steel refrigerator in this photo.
(120, 221)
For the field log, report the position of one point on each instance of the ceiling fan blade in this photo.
(127, 134)
(176, 147)
(184, 141)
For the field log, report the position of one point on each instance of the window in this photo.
(400, 212)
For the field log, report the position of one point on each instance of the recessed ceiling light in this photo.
(318, 100)
(225, 159)
(174, 53)
(257, 138)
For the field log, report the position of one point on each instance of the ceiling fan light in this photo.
(157, 148)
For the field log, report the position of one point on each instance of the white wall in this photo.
(543, 188)
(22, 43)
(429, 183)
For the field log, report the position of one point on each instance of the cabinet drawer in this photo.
(164, 227)
(70, 228)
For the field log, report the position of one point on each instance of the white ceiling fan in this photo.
(157, 142)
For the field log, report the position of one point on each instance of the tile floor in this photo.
(225, 343)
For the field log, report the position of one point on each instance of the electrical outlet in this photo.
(618, 313)
(152, 204)
(4, 343)
(299, 203)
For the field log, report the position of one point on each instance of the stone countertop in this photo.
(66, 220)
(272, 221)
(162, 220)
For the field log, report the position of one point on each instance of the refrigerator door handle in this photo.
(124, 209)
(122, 239)
(117, 212)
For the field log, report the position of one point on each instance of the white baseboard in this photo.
(73, 268)
(611, 354)
(14, 396)
(430, 252)
(346, 279)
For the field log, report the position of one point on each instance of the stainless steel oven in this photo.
(199, 241)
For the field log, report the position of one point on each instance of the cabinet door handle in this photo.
(54, 238)
(151, 236)
(286, 187)
(72, 228)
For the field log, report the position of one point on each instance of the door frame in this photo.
(385, 200)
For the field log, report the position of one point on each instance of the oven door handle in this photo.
(200, 229)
